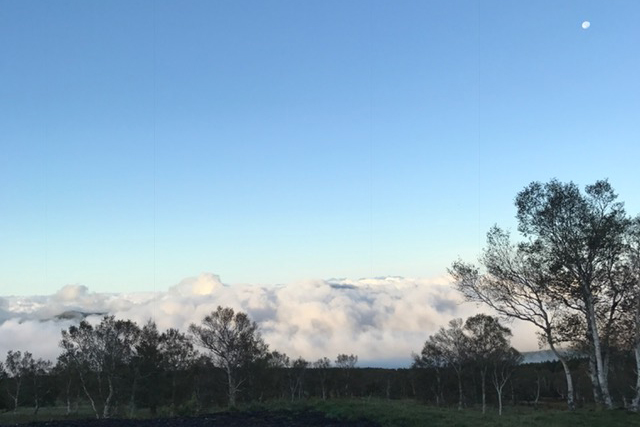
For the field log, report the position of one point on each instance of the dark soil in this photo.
(225, 419)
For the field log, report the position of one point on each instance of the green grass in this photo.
(400, 413)
(396, 413)
(25, 414)
(56, 413)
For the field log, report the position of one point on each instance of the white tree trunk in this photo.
(597, 350)
(233, 387)
(107, 403)
(483, 374)
(567, 373)
(86, 392)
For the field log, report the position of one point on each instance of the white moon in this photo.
(585, 25)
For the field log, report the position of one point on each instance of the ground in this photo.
(228, 419)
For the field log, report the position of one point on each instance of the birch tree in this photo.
(504, 363)
(583, 237)
(39, 368)
(177, 355)
(233, 341)
(488, 341)
(98, 352)
(323, 365)
(515, 283)
(450, 346)
(18, 367)
(633, 253)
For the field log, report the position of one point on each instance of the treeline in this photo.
(575, 275)
(117, 368)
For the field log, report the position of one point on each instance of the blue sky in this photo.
(269, 142)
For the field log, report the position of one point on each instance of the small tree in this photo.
(100, 352)
(296, 377)
(3, 373)
(322, 366)
(346, 363)
(177, 356)
(504, 363)
(233, 341)
(38, 369)
(146, 368)
(488, 341)
(450, 346)
(64, 370)
(431, 358)
(515, 284)
(18, 366)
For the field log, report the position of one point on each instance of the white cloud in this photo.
(380, 319)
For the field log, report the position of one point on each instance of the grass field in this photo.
(392, 413)
(397, 413)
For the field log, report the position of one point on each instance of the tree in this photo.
(322, 366)
(64, 371)
(431, 357)
(582, 236)
(177, 356)
(450, 347)
(296, 377)
(488, 341)
(38, 369)
(233, 341)
(516, 283)
(100, 352)
(146, 364)
(19, 366)
(633, 262)
(504, 363)
(346, 363)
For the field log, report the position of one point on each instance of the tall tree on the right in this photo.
(582, 236)
(568, 272)
(633, 252)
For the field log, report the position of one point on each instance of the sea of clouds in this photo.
(382, 320)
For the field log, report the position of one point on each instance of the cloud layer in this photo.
(382, 320)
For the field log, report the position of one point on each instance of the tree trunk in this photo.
(499, 391)
(567, 373)
(597, 350)
(173, 393)
(439, 392)
(483, 376)
(86, 392)
(17, 395)
(36, 396)
(132, 400)
(233, 387)
(68, 397)
(460, 394)
(107, 403)
(535, 402)
(595, 383)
